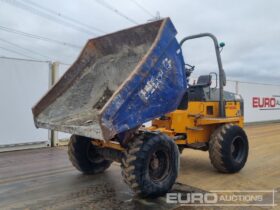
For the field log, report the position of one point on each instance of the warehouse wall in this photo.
(22, 83)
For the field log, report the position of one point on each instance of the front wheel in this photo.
(228, 148)
(150, 164)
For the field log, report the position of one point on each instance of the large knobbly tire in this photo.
(84, 157)
(228, 148)
(150, 164)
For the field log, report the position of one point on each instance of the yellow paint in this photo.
(198, 122)
(108, 144)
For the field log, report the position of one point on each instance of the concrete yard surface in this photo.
(45, 179)
(261, 172)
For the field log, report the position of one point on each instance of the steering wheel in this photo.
(189, 69)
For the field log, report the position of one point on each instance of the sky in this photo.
(250, 30)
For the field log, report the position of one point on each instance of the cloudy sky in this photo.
(250, 29)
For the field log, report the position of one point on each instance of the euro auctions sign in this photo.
(229, 198)
(266, 103)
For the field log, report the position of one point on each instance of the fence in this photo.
(23, 82)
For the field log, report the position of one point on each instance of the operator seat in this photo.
(196, 92)
(204, 81)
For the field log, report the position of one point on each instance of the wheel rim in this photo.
(238, 149)
(92, 155)
(159, 166)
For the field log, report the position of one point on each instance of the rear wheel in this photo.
(84, 157)
(150, 164)
(228, 148)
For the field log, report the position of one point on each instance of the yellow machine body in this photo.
(198, 121)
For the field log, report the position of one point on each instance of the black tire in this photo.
(84, 157)
(228, 148)
(150, 164)
(181, 149)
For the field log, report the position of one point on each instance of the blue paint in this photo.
(156, 89)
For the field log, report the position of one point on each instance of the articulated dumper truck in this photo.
(124, 79)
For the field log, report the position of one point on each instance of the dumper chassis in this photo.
(149, 156)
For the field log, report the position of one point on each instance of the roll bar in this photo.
(222, 76)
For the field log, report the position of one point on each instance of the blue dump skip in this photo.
(119, 81)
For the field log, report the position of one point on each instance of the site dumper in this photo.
(121, 81)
